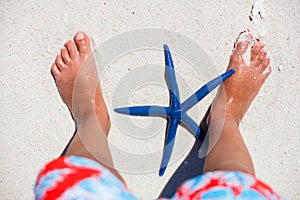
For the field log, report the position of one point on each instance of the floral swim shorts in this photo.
(81, 178)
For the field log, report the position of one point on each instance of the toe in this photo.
(256, 49)
(54, 70)
(82, 43)
(241, 48)
(262, 55)
(235, 60)
(267, 71)
(59, 63)
(265, 63)
(243, 43)
(256, 62)
(71, 49)
(65, 55)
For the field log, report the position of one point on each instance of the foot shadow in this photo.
(63, 153)
(192, 166)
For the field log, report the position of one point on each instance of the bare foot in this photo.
(242, 87)
(76, 78)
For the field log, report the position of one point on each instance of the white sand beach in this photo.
(36, 125)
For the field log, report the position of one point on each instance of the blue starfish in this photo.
(176, 112)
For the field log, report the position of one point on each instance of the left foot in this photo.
(77, 80)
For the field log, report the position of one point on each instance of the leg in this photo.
(227, 148)
(78, 84)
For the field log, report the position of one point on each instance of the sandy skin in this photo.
(242, 87)
(75, 65)
(227, 149)
(76, 78)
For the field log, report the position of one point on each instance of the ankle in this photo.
(226, 117)
(83, 119)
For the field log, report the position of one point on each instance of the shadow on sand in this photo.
(192, 166)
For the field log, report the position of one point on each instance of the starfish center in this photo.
(176, 113)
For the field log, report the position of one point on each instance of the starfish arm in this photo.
(169, 143)
(204, 90)
(171, 78)
(144, 111)
(192, 126)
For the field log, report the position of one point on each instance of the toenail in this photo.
(79, 36)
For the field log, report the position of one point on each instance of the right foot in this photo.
(76, 78)
(242, 87)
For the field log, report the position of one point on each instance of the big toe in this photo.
(82, 43)
(243, 41)
(240, 47)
